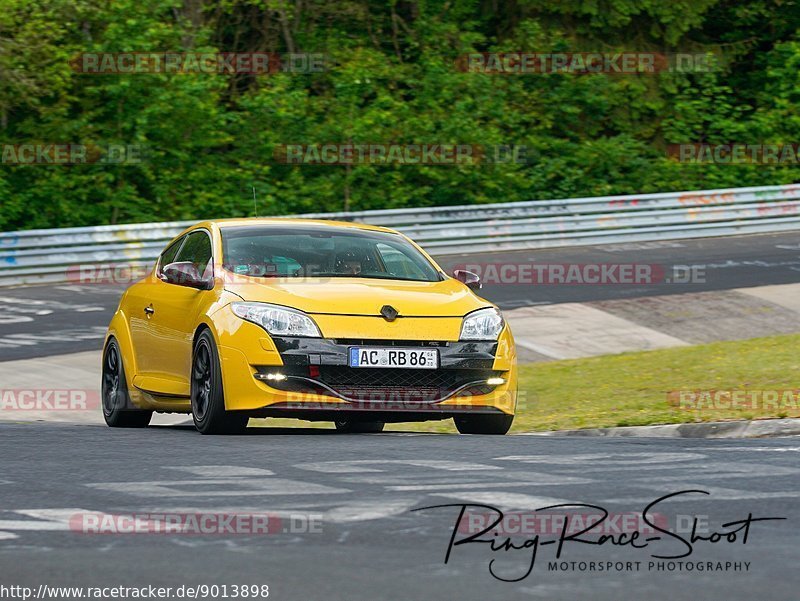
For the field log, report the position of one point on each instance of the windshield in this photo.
(322, 251)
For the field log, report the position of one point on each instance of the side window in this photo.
(197, 250)
(398, 264)
(168, 256)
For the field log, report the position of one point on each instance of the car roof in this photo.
(276, 221)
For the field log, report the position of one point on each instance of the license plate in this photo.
(409, 358)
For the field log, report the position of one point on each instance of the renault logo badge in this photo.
(389, 312)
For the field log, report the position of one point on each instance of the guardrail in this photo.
(41, 256)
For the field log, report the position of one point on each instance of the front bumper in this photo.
(316, 382)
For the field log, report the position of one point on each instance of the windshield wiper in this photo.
(365, 277)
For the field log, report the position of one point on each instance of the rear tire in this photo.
(484, 424)
(359, 427)
(208, 399)
(118, 410)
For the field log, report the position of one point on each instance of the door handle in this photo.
(149, 310)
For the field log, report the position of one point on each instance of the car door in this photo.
(140, 303)
(175, 317)
(173, 312)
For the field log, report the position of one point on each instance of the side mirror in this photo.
(185, 273)
(471, 280)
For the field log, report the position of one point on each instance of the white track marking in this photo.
(368, 509)
(454, 486)
(44, 519)
(546, 479)
(218, 488)
(373, 465)
(9, 319)
(503, 500)
(48, 304)
(720, 470)
(91, 288)
(17, 340)
(408, 479)
(508, 477)
(33, 525)
(516, 479)
(222, 471)
(465, 486)
(15, 309)
(64, 335)
(628, 246)
(59, 514)
(604, 459)
(717, 494)
(757, 449)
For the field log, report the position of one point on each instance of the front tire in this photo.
(208, 399)
(118, 410)
(356, 427)
(484, 424)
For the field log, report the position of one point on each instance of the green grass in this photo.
(631, 389)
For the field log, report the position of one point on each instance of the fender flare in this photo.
(120, 331)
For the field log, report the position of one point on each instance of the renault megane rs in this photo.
(317, 320)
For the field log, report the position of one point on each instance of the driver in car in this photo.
(349, 263)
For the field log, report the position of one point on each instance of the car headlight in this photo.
(484, 324)
(278, 321)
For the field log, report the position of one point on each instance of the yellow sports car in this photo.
(316, 320)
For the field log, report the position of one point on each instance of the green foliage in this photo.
(391, 78)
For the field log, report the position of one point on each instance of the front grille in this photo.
(338, 375)
(367, 384)
(400, 343)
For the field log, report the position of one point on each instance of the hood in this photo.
(360, 296)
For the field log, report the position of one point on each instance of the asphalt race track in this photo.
(53, 320)
(358, 491)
